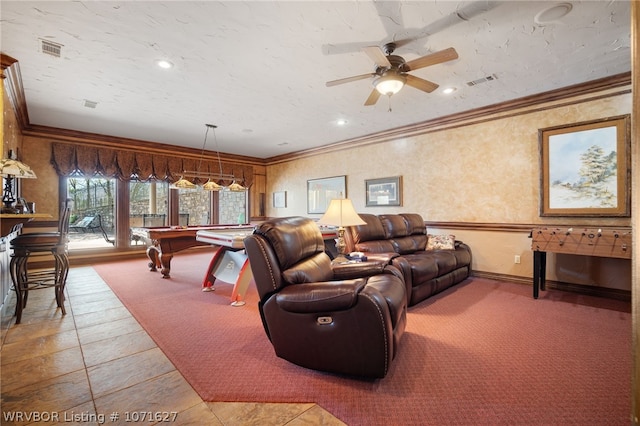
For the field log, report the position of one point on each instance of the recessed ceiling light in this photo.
(341, 122)
(449, 90)
(162, 63)
(552, 14)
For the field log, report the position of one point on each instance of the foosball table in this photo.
(602, 242)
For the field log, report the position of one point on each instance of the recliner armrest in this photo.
(346, 271)
(320, 296)
(385, 257)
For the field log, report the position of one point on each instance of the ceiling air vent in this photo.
(51, 48)
(482, 80)
(90, 104)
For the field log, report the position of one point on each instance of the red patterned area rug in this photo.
(482, 352)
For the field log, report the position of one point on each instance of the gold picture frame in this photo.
(586, 169)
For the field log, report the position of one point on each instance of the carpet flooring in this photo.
(483, 352)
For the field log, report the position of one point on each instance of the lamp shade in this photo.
(236, 187)
(341, 213)
(15, 168)
(211, 186)
(183, 183)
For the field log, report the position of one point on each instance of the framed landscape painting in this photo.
(320, 192)
(586, 169)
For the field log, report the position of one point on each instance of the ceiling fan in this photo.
(392, 71)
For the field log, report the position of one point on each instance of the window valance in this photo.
(68, 159)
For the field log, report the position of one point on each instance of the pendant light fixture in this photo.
(211, 184)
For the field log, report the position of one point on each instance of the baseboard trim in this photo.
(589, 290)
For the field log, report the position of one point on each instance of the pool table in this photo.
(163, 241)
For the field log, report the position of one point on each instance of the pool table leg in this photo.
(158, 259)
(154, 258)
(165, 261)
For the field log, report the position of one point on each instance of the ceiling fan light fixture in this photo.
(390, 83)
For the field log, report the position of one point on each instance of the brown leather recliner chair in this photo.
(345, 319)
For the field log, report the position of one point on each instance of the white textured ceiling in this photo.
(258, 69)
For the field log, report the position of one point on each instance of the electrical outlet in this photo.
(516, 259)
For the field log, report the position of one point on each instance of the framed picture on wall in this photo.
(586, 169)
(384, 191)
(320, 192)
(280, 199)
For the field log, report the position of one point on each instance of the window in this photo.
(194, 206)
(94, 216)
(233, 207)
(148, 204)
(92, 221)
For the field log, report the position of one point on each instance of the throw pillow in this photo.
(441, 242)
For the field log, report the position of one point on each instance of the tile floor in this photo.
(96, 365)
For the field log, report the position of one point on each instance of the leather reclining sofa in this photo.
(401, 240)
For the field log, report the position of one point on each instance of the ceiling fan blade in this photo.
(377, 55)
(373, 98)
(460, 15)
(349, 79)
(402, 38)
(432, 59)
(420, 83)
(341, 48)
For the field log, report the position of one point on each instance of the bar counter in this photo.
(9, 220)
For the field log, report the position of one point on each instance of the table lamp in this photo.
(341, 213)
(10, 169)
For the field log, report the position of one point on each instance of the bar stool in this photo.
(23, 246)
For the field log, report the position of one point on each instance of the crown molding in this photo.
(12, 80)
(126, 144)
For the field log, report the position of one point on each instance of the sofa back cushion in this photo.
(405, 231)
(415, 223)
(367, 238)
(400, 233)
(394, 225)
(373, 230)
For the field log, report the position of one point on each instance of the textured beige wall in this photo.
(482, 173)
(43, 190)
(487, 172)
